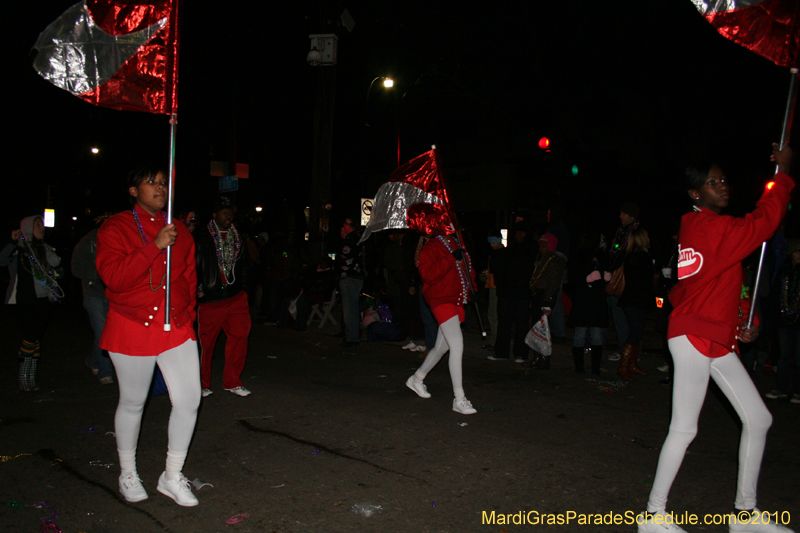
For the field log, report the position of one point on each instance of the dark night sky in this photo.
(630, 95)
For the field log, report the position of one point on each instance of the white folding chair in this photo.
(322, 312)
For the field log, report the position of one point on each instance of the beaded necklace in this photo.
(144, 242)
(226, 256)
(462, 267)
(39, 273)
(540, 269)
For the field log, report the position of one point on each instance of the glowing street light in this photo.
(388, 82)
(258, 209)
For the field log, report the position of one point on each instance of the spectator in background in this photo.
(545, 281)
(495, 258)
(222, 269)
(32, 269)
(350, 263)
(787, 303)
(84, 259)
(589, 308)
(628, 216)
(512, 276)
(636, 300)
(556, 226)
(188, 217)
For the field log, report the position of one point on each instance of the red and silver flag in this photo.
(415, 197)
(769, 28)
(121, 54)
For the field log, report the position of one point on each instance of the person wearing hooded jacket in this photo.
(32, 265)
(545, 282)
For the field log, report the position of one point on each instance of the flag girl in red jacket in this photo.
(447, 280)
(703, 330)
(131, 261)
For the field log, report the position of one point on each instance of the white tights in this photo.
(692, 370)
(180, 367)
(449, 338)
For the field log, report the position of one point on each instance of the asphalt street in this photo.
(330, 431)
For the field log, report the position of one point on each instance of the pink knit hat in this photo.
(552, 241)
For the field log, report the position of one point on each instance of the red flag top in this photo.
(415, 197)
(121, 54)
(767, 27)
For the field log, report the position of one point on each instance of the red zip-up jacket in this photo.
(707, 297)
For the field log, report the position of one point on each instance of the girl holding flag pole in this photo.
(704, 326)
(447, 281)
(416, 197)
(131, 261)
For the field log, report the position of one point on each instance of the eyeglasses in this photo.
(152, 181)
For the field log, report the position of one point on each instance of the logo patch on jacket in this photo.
(689, 263)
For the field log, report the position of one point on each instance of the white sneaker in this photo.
(418, 348)
(659, 522)
(207, 392)
(776, 395)
(410, 346)
(614, 356)
(177, 489)
(663, 368)
(130, 486)
(418, 387)
(757, 522)
(463, 406)
(239, 391)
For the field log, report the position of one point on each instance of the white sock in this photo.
(459, 392)
(418, 376)
(174, 466)
(127, 462)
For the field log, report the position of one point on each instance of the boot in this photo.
(633, 366)
(597, 356)
(32, 373)
(24, 373)
(623, 370)
(542, 362)
(577, 356)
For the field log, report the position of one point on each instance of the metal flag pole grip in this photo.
(785, 135)
(173, 126)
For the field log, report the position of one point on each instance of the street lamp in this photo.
(387, 83)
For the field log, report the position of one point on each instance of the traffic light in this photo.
(544, 144)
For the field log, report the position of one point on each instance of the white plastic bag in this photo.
(538, 338)
(293, 305)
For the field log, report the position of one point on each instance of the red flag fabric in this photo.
(121, 54)
(769, 28)
(415, 198)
